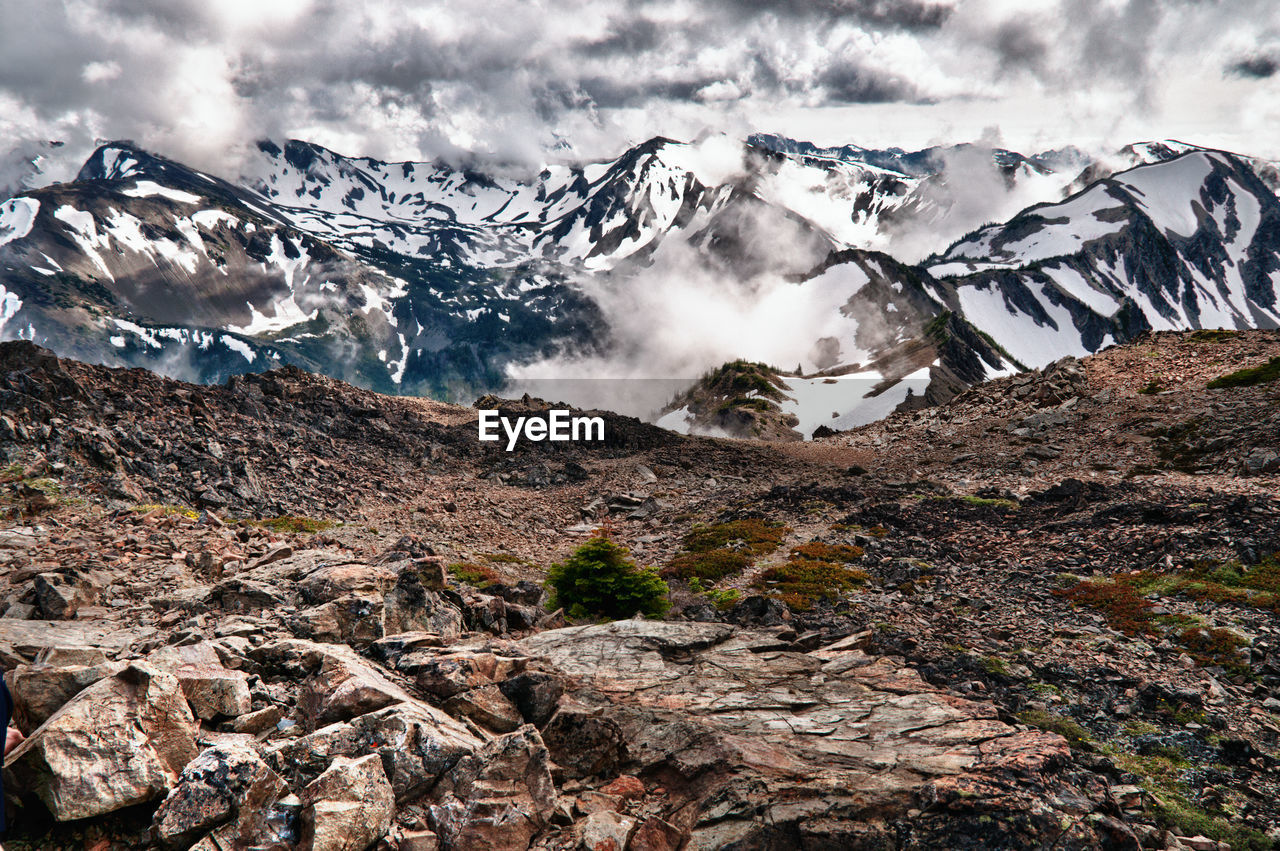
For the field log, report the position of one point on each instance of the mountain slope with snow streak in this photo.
(1188, 242)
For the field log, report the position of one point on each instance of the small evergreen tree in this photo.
(599, 579)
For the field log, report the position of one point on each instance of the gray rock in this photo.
(226, 783)
(347, 808)
(122, 741)
(498, 797)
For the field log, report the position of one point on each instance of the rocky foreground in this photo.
(285, 613)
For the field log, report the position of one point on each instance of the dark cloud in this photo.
(626, 36)
(908, 14)
(851, 82)
(1019, 45)
(1257, 67)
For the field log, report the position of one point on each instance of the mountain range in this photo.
(431, 278)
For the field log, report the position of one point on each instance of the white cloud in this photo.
(512, 80)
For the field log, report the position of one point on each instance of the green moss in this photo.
(710, 566)
(1119, 602)
(1044, 688)
(983, 502)
(168, 510)
(819, 551)
(1214, 646)
(802, 582)
(1077, 737)
(757, 536)
(725, 599)
(295, 524)
(1270, 371)
(1214, 336)
(714, 551)
(993, 665)
(1152, 388)
(1123, 602)
(1178, 814)
(49, 487)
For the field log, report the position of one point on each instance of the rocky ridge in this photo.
(357, 652)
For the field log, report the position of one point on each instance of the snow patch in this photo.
(16, 217)
(239, 346)
(846, 401)
(10, 304)
(149, 188)
(145, 334)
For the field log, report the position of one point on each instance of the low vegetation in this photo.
(1077, 736)
(295, 524)
(1124, 600)
(802, 582)
(1270, 371)
(1214, 335)
(812, 572)
(713, 551)
(476, 575)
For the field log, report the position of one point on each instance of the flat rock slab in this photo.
(825, 743)
(27, 638)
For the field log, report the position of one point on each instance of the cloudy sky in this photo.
(524, 80)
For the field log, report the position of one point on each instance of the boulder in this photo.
(606, 831)
(348, 807)
(336, 683)
(354, 619)
(654, 834)
(498, 797)
(535, 693)
(414, 603)
(444, 674)
(328, 582)
(226, 783)
(212, 689)
(760, 745)
(416, 742)
(488, 707)
(584, 742)
(419, 840)
(60, 595)
(122, 741)
(39, 690)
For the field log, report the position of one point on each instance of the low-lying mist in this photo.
(689, 311)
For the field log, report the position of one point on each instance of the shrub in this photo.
(711, 565)
(1124, 608)
(758, 537)
(599, 580)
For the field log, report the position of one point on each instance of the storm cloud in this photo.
(518, 82)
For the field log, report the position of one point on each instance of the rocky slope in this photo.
(1040, 615)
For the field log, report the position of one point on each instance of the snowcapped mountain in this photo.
(1187, 242)
(428, 278)
(408, 277)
